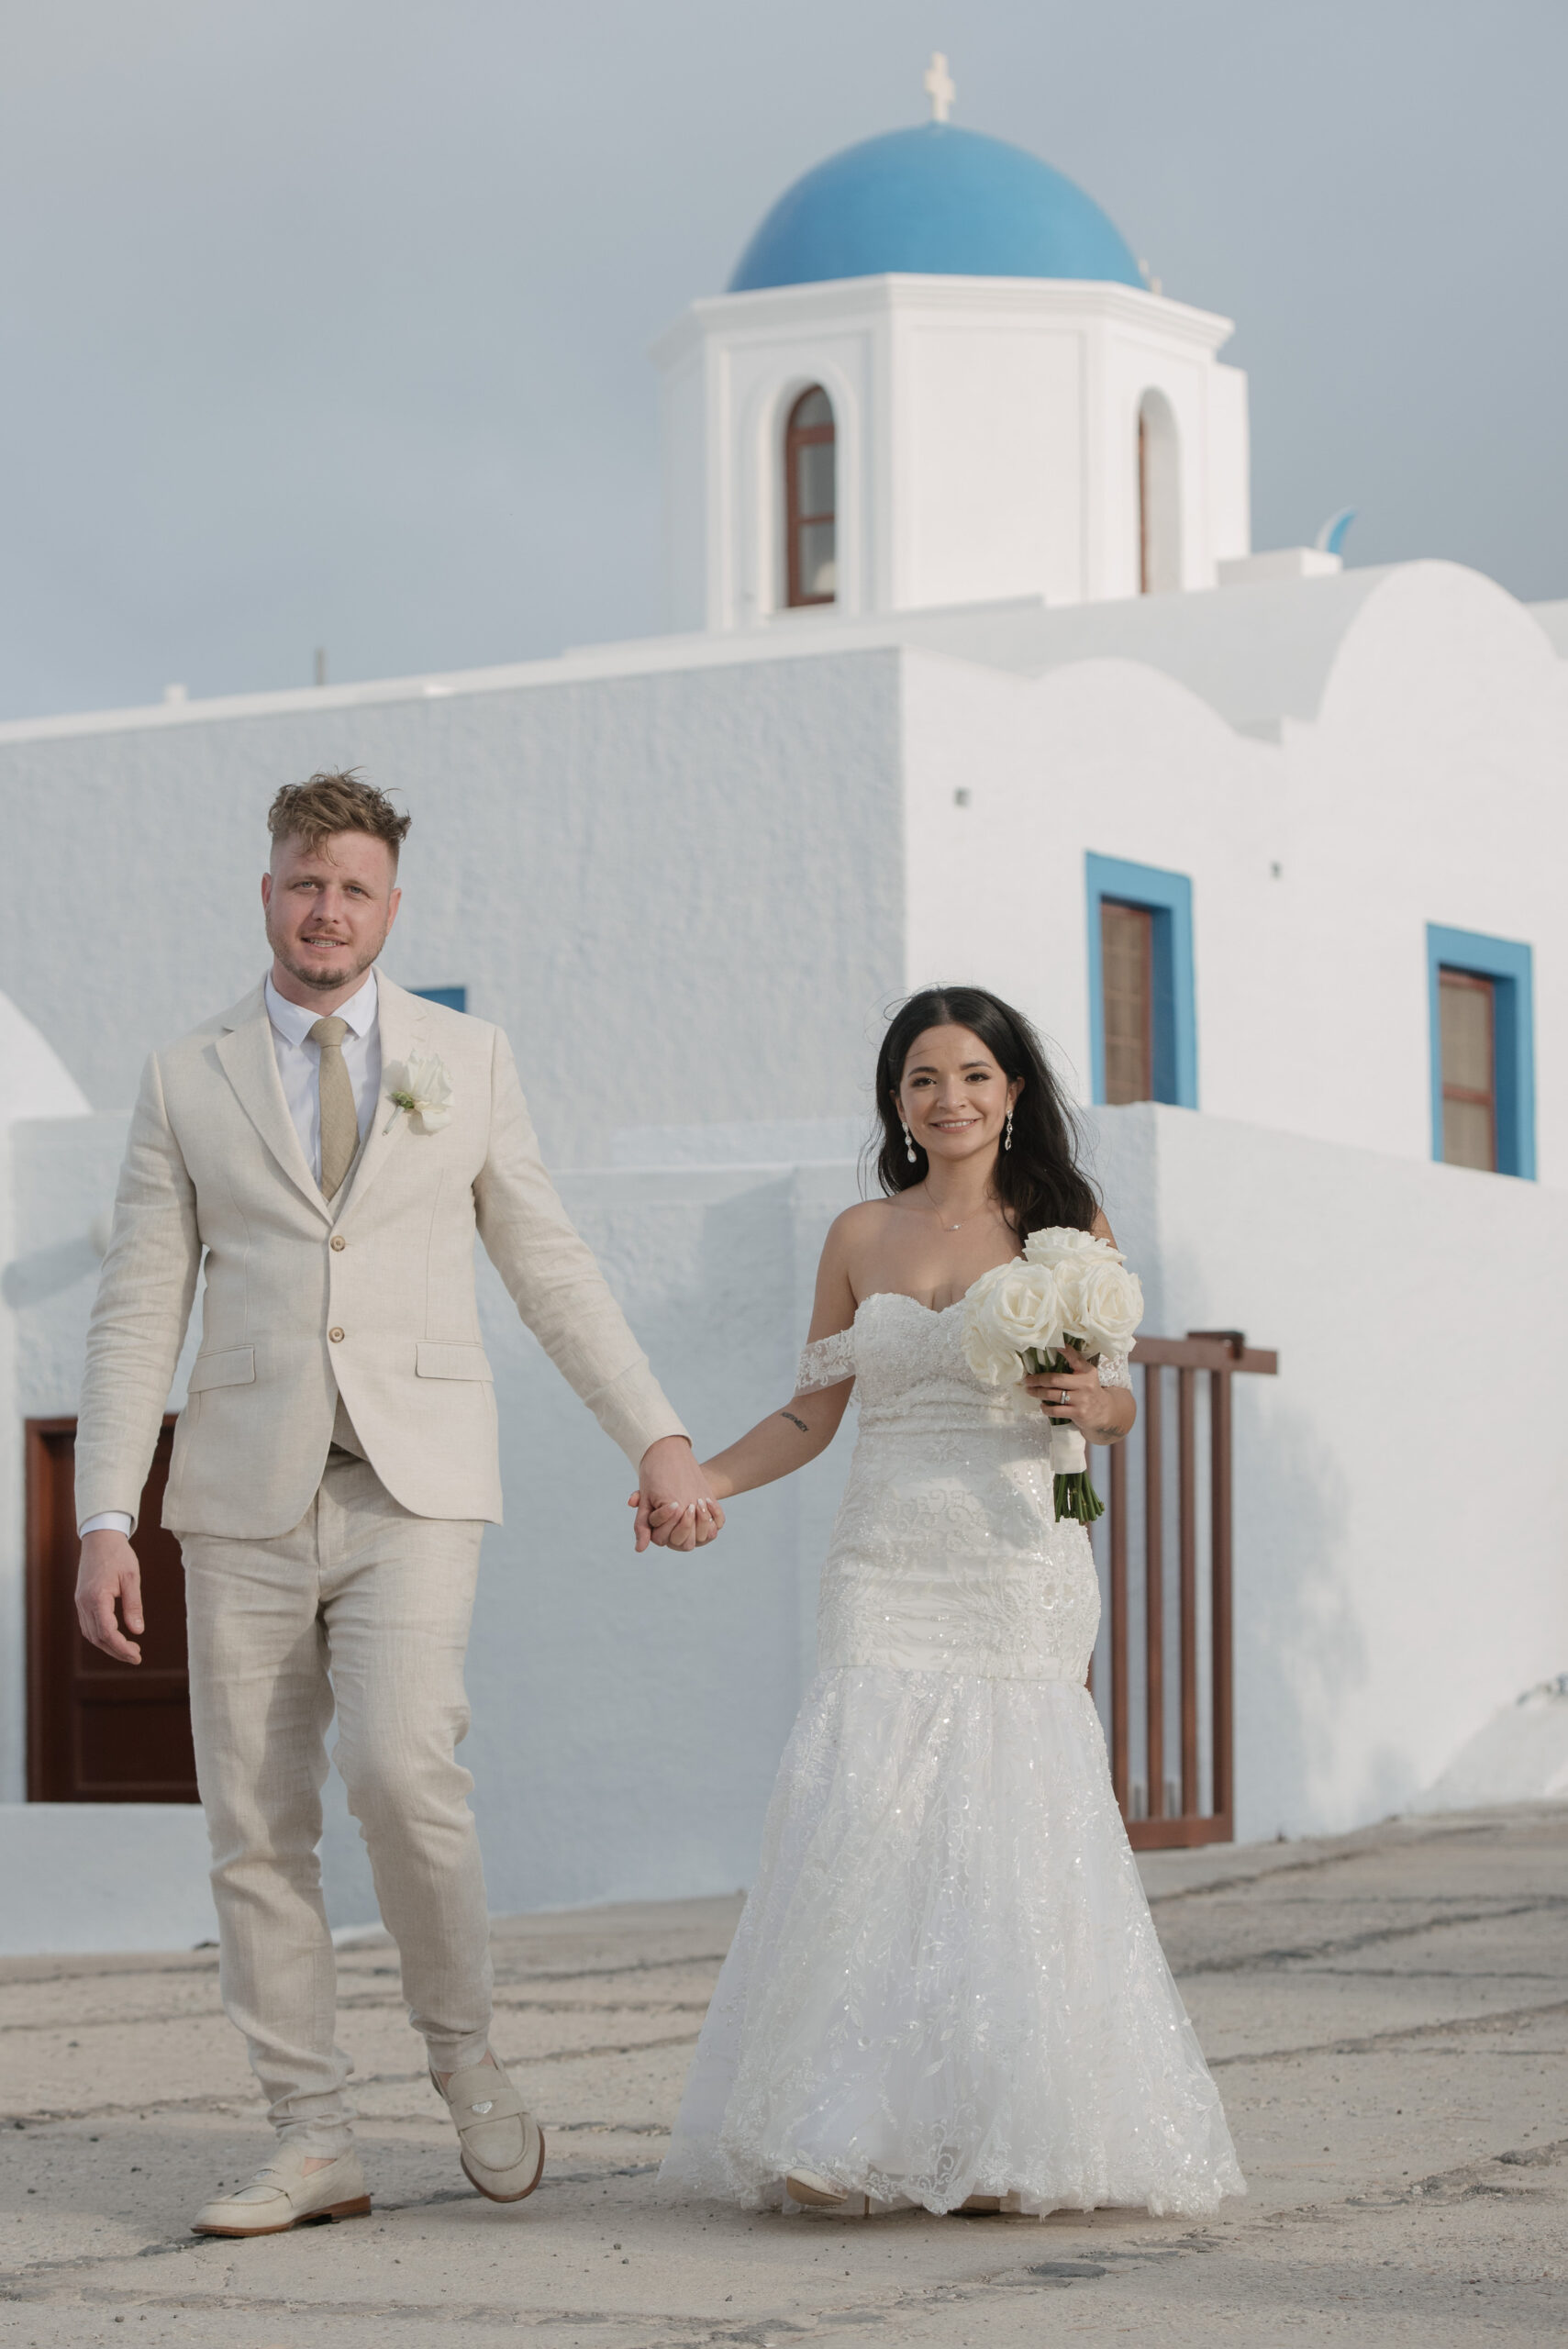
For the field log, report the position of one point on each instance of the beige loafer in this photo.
(284, 2194)
(503, 2144)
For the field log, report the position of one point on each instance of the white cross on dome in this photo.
(940, 87)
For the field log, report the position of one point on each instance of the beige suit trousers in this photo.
(363, 1609)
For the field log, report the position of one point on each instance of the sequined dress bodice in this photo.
(946, 1554)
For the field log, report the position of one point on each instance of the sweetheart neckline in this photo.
(936, 1311)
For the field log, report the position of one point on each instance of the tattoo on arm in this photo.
(795, 1422)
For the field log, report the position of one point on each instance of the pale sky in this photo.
(325, 322)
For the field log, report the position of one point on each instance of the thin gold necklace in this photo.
(937, 1213)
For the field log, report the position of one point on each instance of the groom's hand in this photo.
(674, 1502)
(110, 1574)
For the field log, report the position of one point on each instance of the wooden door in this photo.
(99, 1730)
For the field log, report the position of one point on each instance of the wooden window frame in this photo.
(1159, 485)
(1147, 920)
(1169, 897)
(1510, 963)
(1477, 981)
(798, 437)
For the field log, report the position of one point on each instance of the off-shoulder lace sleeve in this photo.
(827, 1363)
(1113, 1369)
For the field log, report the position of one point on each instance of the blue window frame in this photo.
(1168, 899)
(455, 998)
(1508, 963)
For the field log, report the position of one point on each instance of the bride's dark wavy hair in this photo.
(1039, 1181)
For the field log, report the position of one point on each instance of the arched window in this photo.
(811, 501)
(1159, 497)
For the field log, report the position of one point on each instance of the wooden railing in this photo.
(1181, 1789)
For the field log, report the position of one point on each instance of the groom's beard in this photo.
(353, 965)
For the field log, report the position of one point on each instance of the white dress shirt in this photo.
(299, 1067)
(299, 1062)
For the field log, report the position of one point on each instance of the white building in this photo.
(976, 678)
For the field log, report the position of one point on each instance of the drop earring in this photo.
(1008, 1136)
(908, 1145)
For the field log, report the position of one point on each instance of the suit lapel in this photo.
(250, 1065)
(400, 1018)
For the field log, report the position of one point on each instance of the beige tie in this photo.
(340, 1118)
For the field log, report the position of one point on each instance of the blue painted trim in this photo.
(455, 998)
(1508, 964)
(1331, 537)
(1169, 897)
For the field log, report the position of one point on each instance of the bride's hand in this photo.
(701, 1522)
(1074, 1395)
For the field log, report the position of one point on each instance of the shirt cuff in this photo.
(108, 1520)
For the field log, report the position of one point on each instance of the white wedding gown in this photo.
(945, 1980)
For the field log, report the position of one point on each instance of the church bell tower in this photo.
(939, 377)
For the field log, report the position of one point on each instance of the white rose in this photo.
(1106, 1306)
(1022, 1304)
(1063, 1243)
(989, 1356)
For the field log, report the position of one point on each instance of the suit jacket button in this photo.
(335, 1335)
(337, 1240)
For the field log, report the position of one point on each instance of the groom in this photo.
(333, 1144)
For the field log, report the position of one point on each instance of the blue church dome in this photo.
(939, 202)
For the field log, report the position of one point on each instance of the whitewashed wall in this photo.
(1399, 1559)
(687, 878)
(1389, 1599)
(628, 1713)
(35, 1085)
(1422, 783)
(680, 893)
(986, 440)
(1399, 1571)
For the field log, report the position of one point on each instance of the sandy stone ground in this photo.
(1388, 2016)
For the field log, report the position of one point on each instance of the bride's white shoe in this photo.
(814, 2192)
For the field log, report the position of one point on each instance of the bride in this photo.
(945, 1987)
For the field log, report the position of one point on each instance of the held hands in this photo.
(674, 1502)
(109, 1573)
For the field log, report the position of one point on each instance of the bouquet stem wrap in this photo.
(1075, 1494)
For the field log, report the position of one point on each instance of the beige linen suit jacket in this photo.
(371, 1296)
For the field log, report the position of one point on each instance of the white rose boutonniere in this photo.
(420, 1090)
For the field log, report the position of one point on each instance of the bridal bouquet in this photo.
(1069, 1291)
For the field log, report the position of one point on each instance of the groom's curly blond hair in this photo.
(336, 801)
